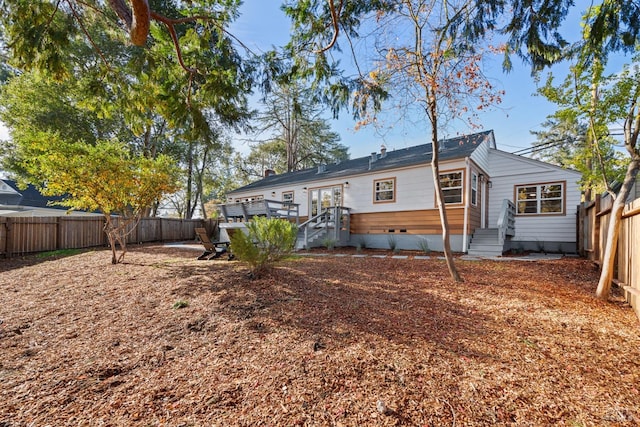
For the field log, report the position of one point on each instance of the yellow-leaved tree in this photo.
(104, 177)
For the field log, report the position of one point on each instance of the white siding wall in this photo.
(481, 156)
(507, 171)
(414, 189)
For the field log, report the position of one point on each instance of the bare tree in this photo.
(430, 70)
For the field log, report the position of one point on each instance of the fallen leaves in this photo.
(336, 341)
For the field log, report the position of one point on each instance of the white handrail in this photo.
(327, 215)
(506, 221)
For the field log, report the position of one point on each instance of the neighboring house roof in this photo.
(16, 211)
(10, 194)
(29, 202)
(452, 148)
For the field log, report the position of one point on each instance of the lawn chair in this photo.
(212, 250)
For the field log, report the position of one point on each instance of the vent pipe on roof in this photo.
(322, 168)
(383, 151)
(269, 172)
(372, 159)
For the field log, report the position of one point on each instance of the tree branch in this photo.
(86, 33)
(335, 20)
(141, 22)
(174, 36)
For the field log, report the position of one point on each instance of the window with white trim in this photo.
(384, 190)
(249, 199)
(474, 188)
(287, 197)
(451, 184)
(540, 199)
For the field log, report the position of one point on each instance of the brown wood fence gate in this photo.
(24, 235)
(592, 236)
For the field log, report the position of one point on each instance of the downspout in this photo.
(467, 198)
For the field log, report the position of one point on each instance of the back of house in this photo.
(390, 200)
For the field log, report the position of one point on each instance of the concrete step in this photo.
(486, 247)
(484, 253)
(484, 242)
(485, 231)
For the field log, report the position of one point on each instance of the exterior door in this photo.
(323, 198)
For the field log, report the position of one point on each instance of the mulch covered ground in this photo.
(166, 340)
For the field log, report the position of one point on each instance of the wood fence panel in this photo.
(627, 274)
(189, 230)
(149, 230)
(629, 254)
(3, 235)
(24, 235)
(171, 229)
(31, 234)
(80, 232)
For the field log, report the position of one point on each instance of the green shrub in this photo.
(393, 244)
(329, 243)
(180, 304)
(266, 241)
(423, 244)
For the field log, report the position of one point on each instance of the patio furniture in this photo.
(212, 249)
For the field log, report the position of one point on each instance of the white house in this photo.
(495, 200)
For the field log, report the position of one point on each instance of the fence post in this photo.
(3, 233)
(59, 227)
(580, 229)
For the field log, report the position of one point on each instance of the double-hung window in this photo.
(540, 199)
(451, 184)
(474, 188)
(287, 197)
(384, 190)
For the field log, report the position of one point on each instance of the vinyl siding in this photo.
(414, 190)
(509, 171)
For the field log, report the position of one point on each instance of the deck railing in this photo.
(506, 221)
(332, 223)
(270, 208)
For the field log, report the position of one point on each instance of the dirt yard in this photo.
(166, 340)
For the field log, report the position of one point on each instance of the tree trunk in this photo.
(188, 210)
(609, 258)
(446, 244)
(108, 230)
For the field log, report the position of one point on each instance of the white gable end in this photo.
(508, 171)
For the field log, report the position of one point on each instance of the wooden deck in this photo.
(244, 211)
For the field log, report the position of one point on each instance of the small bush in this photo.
(393, 244)
(329, 243)
(267, 241)
(180, 304)
(423, 244)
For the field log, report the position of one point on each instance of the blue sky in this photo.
(262, 25)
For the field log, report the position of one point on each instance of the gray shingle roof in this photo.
(30, 196)
(452, 148)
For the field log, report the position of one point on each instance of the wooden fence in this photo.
(24, 235)
(592, 236)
